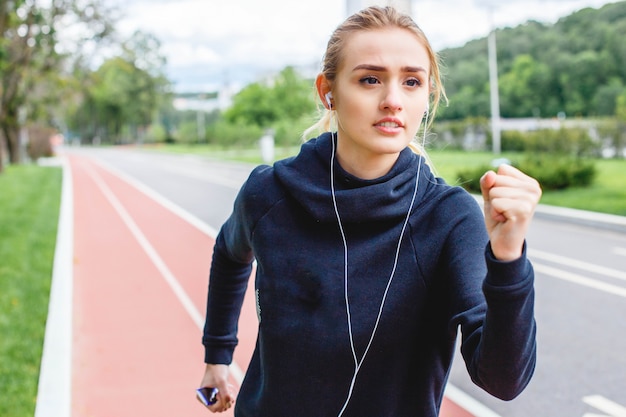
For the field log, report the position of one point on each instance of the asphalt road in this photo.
(580, 291)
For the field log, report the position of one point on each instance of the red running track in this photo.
(140, 280)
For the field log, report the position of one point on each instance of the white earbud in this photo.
(427, 109)
(329, 97)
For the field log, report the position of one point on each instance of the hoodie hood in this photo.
(306, 177)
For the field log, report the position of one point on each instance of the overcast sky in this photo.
(211, 42)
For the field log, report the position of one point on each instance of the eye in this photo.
(369, 80)
(413, 82)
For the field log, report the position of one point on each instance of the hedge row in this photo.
(552, 172)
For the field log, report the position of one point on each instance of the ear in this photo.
(323, 87)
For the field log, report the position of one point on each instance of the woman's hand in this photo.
(510, 198)
(216, 376)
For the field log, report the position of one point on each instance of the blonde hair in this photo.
(371, 18)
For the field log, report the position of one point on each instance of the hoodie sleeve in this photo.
(505, 360)
(493, 303)
(231, 267)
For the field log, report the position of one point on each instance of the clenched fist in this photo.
(510, 198)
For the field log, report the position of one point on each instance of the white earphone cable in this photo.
(357, 362)
(345, 247)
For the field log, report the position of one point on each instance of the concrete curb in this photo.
(581, 217)
(55, 376)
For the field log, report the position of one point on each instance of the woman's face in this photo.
(380, 94)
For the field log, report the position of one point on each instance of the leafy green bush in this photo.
(452, 135)
(552, 172)
(229, 134)
(613, 134)
(557, 173)
(187, 133)
(289, 132)
(574, 142)
(156, 133)
(513, 141)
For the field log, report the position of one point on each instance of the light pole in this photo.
(493, 83)
(491, 5)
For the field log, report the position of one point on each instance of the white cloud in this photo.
(209, 42)
(183, 54)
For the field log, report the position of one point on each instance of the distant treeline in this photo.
(576, 66)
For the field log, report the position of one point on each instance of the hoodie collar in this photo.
(306, 178)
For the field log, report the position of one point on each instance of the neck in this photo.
(365, 165)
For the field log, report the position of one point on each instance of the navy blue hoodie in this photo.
(446, 278)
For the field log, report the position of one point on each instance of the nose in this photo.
(391, 100)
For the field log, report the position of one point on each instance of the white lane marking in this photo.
(585, 266)
(468, 403)
(619, 251)
(578, 279)
(609, 407)
(54, 391)
(158, 262)
(168, 204)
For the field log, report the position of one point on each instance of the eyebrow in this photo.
(378, 68)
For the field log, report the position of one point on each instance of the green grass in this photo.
(29, 213)
(607, 194)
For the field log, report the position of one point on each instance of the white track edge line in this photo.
(467, 402)
(54, 389)
(169, 277)
(168, 204)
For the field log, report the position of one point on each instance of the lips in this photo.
(389, 123)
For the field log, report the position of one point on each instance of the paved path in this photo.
(139, 277)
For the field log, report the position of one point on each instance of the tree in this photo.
(120, 99)
(29, 54)
(123, 94)
(605, 99)
(567, 66)
(295, 94)
(151, 88)
(255, 105)
(287, 96)
(519, 87)
(620, 107)
(466, 102)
